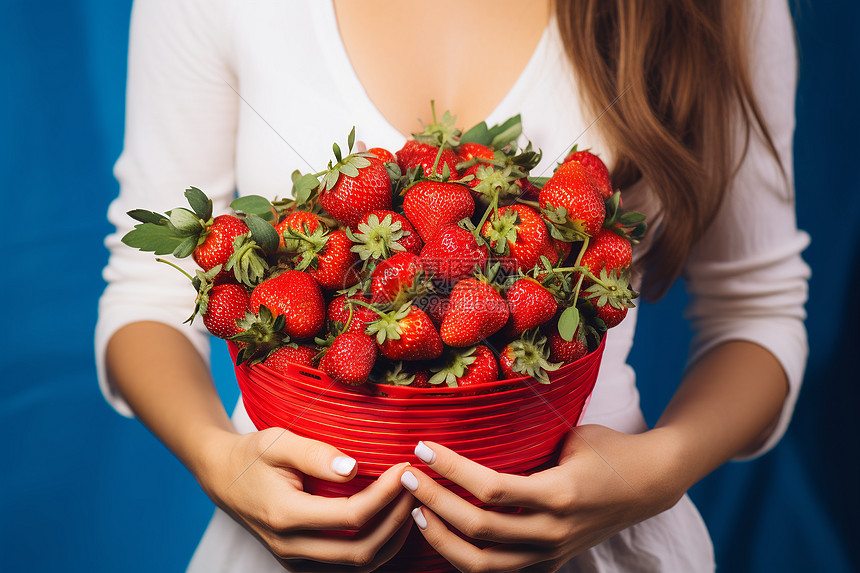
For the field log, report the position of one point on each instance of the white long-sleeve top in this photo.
(228, 95)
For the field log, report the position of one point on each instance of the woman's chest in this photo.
(464, 55)
(300, 92)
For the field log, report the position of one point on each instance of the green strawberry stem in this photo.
(348, 319)
(331, 223)
(177, 267)
(576, 264)
(493, 206)
(438, 153)
(202, 283)
(533, 204)
(584, 271)
(475, 160)
(352, 301)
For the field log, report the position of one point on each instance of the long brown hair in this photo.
(671, 80)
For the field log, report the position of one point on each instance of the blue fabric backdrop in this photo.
(82, 489)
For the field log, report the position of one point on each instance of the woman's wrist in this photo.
(206, 461)
(724, 406)
(673, 458)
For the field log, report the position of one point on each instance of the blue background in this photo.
(82, 489)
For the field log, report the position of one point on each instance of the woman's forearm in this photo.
(168, 385)
(727, 405)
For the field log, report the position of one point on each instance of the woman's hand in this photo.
(605, 482)
(258, 479)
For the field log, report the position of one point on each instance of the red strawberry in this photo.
(227, 303)
(452, 254)
(596, 168)
(220, 300)
(355, 185)
(423, 149)
(339, 314)
(380, 234)
(560, 350)
(224, 278)
(217, 247)
(530, 306)
(430, 205)
(570, 201)
(401, 273)
(475, 365)
(518, 236)
(400, 374)
(530, 191)
(296, 296)
(607, 250)
(506, 362)
(484, 369)
(350, 358)
(281, 359)
(476, 311)
(422, 379)
(406, 334)
(473, 171)
(383, 154)
(225, 240)
(259, 335)
(415, 154)
(336, 266)
(436, 307)
(611, 315)
(302, 221)
(557, 250)
(469, 150)
(611, 295)
(527, 357)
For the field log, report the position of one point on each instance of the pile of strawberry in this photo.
(444, 262)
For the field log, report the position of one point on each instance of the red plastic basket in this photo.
(515, 426)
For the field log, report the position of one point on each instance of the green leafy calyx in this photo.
(263, 334)
(454, 365)
(530, 357)
(377, 239)
(247, 262)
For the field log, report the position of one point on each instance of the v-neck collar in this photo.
(358, 101)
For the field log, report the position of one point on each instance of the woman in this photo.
(692, 107)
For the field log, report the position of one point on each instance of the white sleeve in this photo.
(746, 278)
(180, 131)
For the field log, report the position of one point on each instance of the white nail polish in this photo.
(419, 518)
(409, 481)
(343, 465)
(424, 453)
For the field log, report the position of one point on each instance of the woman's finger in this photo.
(394, 545)
(534, 492)
(388, 551)
(299, 510)
(477, 523)
(311, 457)
(467, 557)
(357, 550)
(546, 567)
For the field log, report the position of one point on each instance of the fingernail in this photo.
(343, 465)
(419, 518)
(424, 453)
(409, 481)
